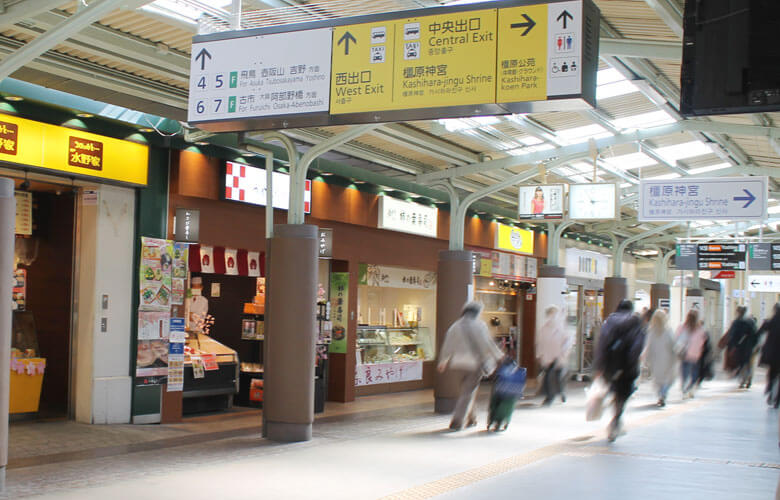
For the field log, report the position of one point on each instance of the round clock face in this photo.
(592, 201)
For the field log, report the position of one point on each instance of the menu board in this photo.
(155, 273)
(24, 223)
(721, 256)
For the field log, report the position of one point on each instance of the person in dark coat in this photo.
(617, 358)
(770, 356)
(741, 340)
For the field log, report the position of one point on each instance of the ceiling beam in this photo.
(669, 13)
(646, 49)
(54, 36)
(26, 9)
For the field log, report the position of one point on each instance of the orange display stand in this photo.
(25, 392)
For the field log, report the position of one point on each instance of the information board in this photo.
(764, 256)
(685, 256)
(721, 256)
(441, 62)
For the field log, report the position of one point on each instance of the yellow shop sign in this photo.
(74, 152)
(514, 239)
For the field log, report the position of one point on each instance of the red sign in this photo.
(722, 275)
(85, 153)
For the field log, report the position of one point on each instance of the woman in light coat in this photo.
(660, 355)
(471, 353)
(553, 343)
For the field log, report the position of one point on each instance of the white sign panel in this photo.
(592, 201)
(586, 264)
(383, 373)
(730, 198)
(540, 202)
(246, 183)
(564, 39)
(764, 283)
(407, 217)
(266, 75)
(397, 277)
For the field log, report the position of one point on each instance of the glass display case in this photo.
(380, 344)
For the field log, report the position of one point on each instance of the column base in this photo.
(287, 433)
(444, 406)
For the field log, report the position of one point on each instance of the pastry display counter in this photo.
(210, 374)
(380, 344)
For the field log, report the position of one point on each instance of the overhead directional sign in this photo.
(432, 63)
(715, 198)
(764, 283)
(685, 256)
(714, 256)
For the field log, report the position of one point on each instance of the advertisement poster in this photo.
(540, 202)
(179, 273)
(175, 366)
(152, 350)
(339, 292)
(209, 362)
(20, 289)
(155, 273)
(153, 325)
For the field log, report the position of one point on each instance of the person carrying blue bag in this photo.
(507, 389)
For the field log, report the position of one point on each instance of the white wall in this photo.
(102, 383)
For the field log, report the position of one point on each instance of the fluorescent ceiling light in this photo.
(652, 119)
(774, 210)
(454, 124)
(583, 134)
(629, 161)
(710, 168)
(626, 185)
(615, 89)
(609, 75)
(684, 150)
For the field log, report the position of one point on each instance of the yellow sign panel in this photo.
(486, 267)
(445, 60)
(50, 147)
(514, 239)
(362, 76)
(522, 54)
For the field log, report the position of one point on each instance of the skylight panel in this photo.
(709, 168)
(486, 120)
(530, 140)
(583, 134)
(582, 167)
(684, 150)
(615, 89)
(607, 76)
(644, 120)
(630, 161)
(454, 124)
(774, 210)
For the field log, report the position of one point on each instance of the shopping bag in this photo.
(510, 381)
(594, 403)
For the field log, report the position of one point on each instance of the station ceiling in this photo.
(136, 55)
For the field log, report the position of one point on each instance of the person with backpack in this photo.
(617, 358)
(690, 344)
(470, 352)
(741, 339)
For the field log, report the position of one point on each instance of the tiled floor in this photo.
(723, 442)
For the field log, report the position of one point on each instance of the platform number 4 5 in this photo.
(219, 82)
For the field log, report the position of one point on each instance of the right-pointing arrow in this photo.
(749, 198)
(528, 25)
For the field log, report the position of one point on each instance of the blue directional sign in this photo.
(714, 198)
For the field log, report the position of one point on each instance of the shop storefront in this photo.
(376, 311)
(75, 202)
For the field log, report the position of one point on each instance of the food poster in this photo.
(339, 295)
(156, 270)
(179, 273)
(152, 350)
(19, 289)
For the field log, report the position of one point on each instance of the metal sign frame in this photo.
(585, 100)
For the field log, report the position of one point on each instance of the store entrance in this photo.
(42, 318)
(583, 319)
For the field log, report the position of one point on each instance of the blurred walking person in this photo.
(553, 343)
(770, 357)
(470, 352)
(689, 346)
(741, 339)
(617, 358)
(660, 355)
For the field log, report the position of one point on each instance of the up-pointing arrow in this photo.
(564, 15)
(346, 38)
(202, 55)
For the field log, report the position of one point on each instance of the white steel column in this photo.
(7, 229)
